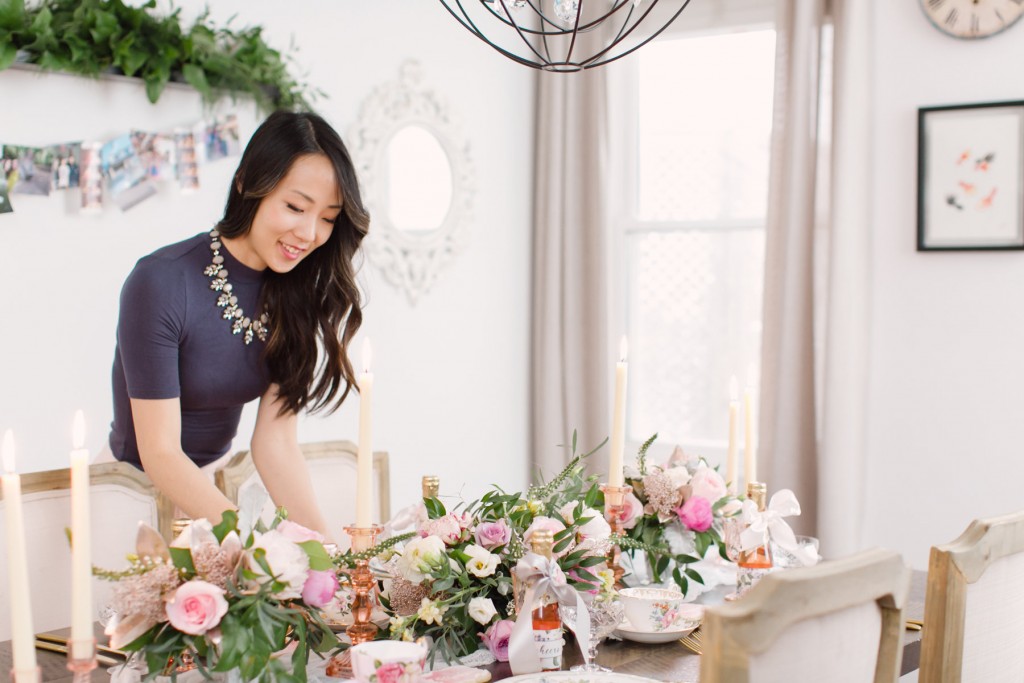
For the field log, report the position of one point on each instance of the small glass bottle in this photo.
(431, 485)
(547, 624)
(756, 562)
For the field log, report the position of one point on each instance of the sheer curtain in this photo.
(814, 344)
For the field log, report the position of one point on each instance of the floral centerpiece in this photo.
(674, 515)
(218, 599)
(453, 581)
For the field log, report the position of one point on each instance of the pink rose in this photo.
(496, 638)
(549, 523)
(695, 513)
(707, 483)
(447, 528)
(197, 606)
(319, 588)
(492, 535)
(390, 672)
(632, 511)
(296, 533)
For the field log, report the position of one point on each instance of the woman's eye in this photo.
(330, 221)
(292, 207)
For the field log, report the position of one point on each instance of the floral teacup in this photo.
(388, 661)
(652, 609)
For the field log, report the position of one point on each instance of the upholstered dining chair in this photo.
(120, 496)
(973, 630)
(332, 467)
(839, 621)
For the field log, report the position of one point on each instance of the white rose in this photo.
(679, 476)
(708, 484)
(288, 563)
(631, 471)
(481, 562)
(566, 511)
(482, 610)
(597, 529)
(419, 557)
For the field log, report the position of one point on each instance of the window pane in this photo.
(694, 321)
(704, 122)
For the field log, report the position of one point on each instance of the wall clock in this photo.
(973, 18)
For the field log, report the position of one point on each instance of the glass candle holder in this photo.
(614, 513)
(364, 596)
(81, 659)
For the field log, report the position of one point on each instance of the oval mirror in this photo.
(419, 180)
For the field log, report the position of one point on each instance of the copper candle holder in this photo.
(81, 659)
(614, 513)
(364, 598)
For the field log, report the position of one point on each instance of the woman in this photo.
(242, 312)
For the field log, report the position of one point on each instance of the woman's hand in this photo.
(282, 467)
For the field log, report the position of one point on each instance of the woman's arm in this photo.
(158, 434)
(282, 467)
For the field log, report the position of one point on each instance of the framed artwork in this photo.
(970, 177)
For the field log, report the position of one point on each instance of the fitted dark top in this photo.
(172, 342)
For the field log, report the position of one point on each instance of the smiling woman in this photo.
(243, 312)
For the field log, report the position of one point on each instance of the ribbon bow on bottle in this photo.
(543, 576)
(768, 526)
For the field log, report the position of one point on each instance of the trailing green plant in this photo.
(92, 37)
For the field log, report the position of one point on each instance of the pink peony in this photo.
(496, 638)
(695, 513)
(296, 533)
(320, 587)
(197, 606)
(390, 672)
(447, 528)
(707, 483)
(632, 511)
(492, 535)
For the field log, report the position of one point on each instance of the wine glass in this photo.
(605, 616)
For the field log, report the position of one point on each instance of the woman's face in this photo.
(294, 219)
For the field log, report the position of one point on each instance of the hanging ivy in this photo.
(93, 37)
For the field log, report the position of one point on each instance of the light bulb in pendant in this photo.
(567, 10)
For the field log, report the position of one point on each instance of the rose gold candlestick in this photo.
(364, 598)
(81, 659)
(614, 513)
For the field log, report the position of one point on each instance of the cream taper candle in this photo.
(749, 447)
(22, 634)
(618, 442)
(81, 542)
(364, 465)
(732, 460)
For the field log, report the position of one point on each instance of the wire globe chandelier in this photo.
(552, 35)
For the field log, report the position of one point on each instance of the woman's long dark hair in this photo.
(309, 306)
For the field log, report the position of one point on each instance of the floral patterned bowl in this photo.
(388, 661)
(651, 609)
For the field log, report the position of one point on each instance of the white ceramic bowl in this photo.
(651, 610)
(380, 660)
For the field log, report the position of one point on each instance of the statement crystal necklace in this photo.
(218, 275)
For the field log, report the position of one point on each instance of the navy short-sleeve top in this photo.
(173, 342)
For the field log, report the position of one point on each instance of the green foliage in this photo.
(91, 37)
(349, 559)
(641, 456)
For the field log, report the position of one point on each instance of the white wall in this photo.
(451, 372)
(947, 343)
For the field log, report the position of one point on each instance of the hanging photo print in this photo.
(92, 178)
(156, 152)
(5, 199)
(221, 138)
(188, 165)
(125, 173)
(67, 165)
(27, 169)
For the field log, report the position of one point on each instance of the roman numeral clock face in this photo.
(973, 18)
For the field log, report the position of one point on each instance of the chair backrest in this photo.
(838, 621)
(120, 496)
(973, 629)
(332, 467)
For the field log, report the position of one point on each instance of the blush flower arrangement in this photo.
(218, 599)
(674, 515)
(453, 580)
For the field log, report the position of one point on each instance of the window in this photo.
(697, 110)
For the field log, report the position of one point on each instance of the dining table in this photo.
(670, 662)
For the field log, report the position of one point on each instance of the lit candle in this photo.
(734, 409)
(615, 477)
(749, 452)
(364, 466)
(22, 635)
(81, 560)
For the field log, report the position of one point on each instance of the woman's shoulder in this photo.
(167, 267)
(179, 254)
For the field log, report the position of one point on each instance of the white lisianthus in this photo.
(431, 612)
(596, 528)
(419, 557)
(481, 563)
(289, 563)
(482, 610)
(679, 476)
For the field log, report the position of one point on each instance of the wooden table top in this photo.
(670, 662)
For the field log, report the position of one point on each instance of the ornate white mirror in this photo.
(417, 177)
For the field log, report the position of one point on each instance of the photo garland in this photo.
(125, 169)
